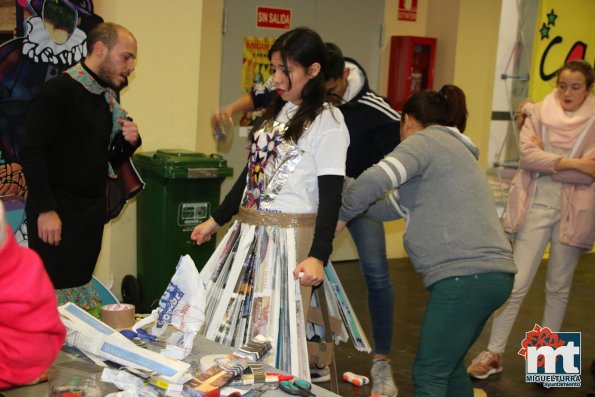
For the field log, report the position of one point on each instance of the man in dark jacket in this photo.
(71, 121)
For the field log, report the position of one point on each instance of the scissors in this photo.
(298, 387)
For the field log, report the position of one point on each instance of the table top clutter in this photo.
(71, 366)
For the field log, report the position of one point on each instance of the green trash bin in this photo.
(182, 187)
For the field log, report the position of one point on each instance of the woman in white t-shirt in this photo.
(288, 198)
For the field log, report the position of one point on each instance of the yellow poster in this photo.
(564, 30)
(255, 61)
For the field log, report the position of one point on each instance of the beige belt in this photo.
(281, 219)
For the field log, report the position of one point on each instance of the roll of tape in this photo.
(118, 315)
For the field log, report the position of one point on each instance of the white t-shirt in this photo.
(324, 150)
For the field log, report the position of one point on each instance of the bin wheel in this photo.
(131, 290)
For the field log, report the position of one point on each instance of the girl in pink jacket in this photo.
(552, 200)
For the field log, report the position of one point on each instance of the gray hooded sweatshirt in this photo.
(452, 227)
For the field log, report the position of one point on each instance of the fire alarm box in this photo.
(411, 67)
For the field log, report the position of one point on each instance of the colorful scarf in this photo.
(80, 74)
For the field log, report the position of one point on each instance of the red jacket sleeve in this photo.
(31, 333)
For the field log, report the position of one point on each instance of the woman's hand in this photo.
(221, 119)
(586, 165)
(312, 270)
(203, 232)
(340, 226)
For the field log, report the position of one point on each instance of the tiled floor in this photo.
(410, 298)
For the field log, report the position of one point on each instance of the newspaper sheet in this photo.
(89, 334)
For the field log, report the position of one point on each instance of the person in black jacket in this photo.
(374, 132)
(70, 124)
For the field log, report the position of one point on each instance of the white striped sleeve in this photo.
(394, 169)
(378, 103)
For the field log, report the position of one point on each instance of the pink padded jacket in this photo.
(577, 226)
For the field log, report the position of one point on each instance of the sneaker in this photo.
(319, 375)
(486, 364)
(383, 383)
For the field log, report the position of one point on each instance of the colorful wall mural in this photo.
(50, 36)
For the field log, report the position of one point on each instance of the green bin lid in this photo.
(182, 164)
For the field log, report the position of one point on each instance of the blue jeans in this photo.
(368, 235)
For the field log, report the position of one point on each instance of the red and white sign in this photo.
(275, 18)
(407, 10)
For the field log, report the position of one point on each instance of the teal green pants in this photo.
(455, 315)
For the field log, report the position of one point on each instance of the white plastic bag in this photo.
(181, 305)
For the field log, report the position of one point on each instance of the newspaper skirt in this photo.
(251, 289)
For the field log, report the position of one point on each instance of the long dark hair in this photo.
(445, 107)
(304, 46)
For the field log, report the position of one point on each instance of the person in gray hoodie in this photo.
(453, 235)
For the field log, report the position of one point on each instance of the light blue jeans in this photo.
(368, 235)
